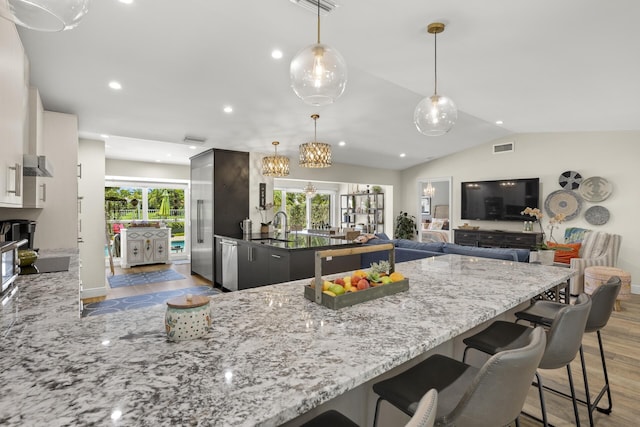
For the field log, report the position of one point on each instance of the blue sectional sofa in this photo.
(409, 250)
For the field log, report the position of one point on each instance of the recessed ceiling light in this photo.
(193, 147)
(403, 155)
(126, 1)
(342, 143)
(115, 85)
(157, 161)
(228, 109)
(276, 54)
(104, 135)
(499, 122)
(168, 154)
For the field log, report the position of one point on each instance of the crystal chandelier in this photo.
(315, 154)
(429, 190)
(318, 72)
(436, 114)
(309, 189)
(45, 15)
(275, 165)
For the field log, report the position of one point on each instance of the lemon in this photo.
(331, 294)
(396, 277)
(326, 285)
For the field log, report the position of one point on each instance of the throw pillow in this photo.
(568, 251)
(382, 236)
(436, 224)
(364, 238)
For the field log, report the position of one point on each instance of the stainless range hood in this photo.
(33, 165)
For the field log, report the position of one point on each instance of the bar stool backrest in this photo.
(499, 390)
(425, 415)
(602, 302)
(565, 335)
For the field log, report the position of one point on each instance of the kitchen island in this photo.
(271, 354)
(266, 259)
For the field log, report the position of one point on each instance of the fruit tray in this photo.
(351, 298)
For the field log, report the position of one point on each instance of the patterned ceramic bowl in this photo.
(187, 317)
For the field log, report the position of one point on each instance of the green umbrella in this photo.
(164, 205)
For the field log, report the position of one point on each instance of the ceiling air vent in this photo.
(326, 6)
(193, 140)
(507, 147)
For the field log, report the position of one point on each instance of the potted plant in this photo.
(406, 227)
(376, 189)
(546, 254)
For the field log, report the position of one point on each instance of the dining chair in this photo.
(490, 396)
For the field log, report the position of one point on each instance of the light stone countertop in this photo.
(271, 354)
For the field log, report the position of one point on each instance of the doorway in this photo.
(434, 196)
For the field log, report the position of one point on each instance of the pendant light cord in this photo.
(318, 21)
(435, 63)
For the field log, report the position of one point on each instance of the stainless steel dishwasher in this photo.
(229, 264)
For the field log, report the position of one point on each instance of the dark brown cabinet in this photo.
(497, 239)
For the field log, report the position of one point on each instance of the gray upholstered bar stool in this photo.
(424, 417)
(563, 341)
(603, 300)
(467, 396)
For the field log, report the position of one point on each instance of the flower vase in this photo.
(546, 256)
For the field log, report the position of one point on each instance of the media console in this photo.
(497, 238)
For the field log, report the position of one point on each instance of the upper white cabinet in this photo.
(35, 187)
(13, 113)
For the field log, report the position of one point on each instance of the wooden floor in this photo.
(125, 291)
(621, 340)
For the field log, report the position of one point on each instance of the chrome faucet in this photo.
(277, 220)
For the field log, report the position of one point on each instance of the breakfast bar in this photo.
(271, 355)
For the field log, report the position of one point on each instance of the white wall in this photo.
(611, 155)
(149, 170)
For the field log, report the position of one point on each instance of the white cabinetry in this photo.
(142, 245)
(35, 187)
(13, 113)
(91, 217)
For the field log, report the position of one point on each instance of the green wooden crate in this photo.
(353, 298)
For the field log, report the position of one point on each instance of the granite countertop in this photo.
(292, 241)
(270, 356)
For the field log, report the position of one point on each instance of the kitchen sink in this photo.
(269, 240)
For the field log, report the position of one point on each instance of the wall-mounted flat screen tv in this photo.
(500, 200)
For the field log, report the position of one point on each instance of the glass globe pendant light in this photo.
(45, 15)
(318, 73)
(436, 114)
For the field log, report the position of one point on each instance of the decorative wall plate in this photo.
(595, 189)
(597, 215)
(563, 202)
(570, 180)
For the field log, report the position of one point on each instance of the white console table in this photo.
(144, 245)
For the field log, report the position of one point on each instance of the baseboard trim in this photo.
(93, 293)
(635, 289)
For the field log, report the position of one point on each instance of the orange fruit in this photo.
(396, 277)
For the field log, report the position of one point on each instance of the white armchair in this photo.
(598, 248)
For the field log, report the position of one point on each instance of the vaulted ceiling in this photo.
(539, 66)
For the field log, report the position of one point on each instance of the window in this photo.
(126, 204)
(303, 211)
